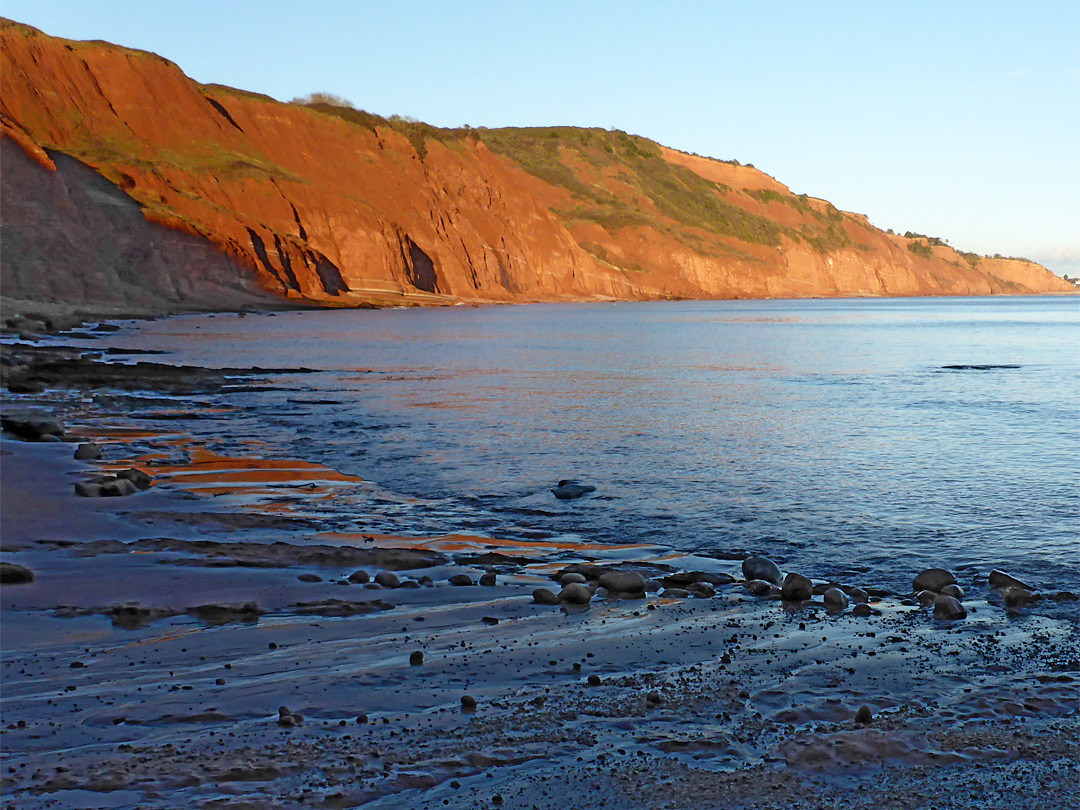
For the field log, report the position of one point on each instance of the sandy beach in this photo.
(218, 640)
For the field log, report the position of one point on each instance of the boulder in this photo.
(117, 488)
(932, 579)
(569, 490)
(675, 593)
(955, 591)
(461, 580)
(140, 479)
(359, 578)
(999, 580)
(575, 594)
(835, 599)
(796, 588)
(857, 595)
(703, 590)
(87, 490)
(542, 596)
(87, 452)
(761, 568)
(759, 587)
(488, 579)
(927, 597)
(947, 608)
(623, 583)
(388, 579)
(1018, 597)
(683, 579)
(32, 429)
(14, 574)
(571, 577)
(862, 609)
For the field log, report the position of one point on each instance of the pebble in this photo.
(359, 577)
(1017, 597)
(361, 719)
(654, 699)
(594, 680)
(571, 578)
(927, 597)
(569, 490)
(488, 580)
(703, 590)
(947, 608)
(796, 588)
(955, 591)
(675, 593)
(857, 595)
(1065, 596)
(862, 609)
(864, 715)
(468, 702)
(388, 579)
(759, 587)
(761, 568)
(932, 579)
(461, 580)
(542, 596)
(310, 578)
(416, 658)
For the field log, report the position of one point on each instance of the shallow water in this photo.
(874, 437)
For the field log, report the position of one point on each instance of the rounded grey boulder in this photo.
(932, 579)
(623, 582)
(387, 579)
(1017, 597)
(87, 452)
(1000, 580)
(461, 580)
(569, 490)
(955, 591)
(542, 596)
(948, 608)
(835, 599)
(575, 594)
(761, 568)
(796, 588)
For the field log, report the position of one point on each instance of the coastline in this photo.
(245, 605)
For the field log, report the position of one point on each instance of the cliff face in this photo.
(335, 206)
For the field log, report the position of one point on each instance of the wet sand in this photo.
(147, 663)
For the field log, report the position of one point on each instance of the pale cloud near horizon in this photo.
(1060, 259)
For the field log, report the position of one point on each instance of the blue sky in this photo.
(957, 119)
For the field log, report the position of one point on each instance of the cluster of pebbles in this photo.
(934, 587)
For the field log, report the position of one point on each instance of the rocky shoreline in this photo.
(213, 636)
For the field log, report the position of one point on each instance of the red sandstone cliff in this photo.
(336, 206)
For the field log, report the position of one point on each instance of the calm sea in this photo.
(873, 437)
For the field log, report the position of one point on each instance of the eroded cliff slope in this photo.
(332, 205)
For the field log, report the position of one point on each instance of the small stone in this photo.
(416, 658)
(571, 578)
(297, 718)
(947, 608)
(542, 596)
(703, 590)
(286, 721)
(490, 620)
(76, 665)
(862, 610)
(118, 488)
(220, 681)
(796, 588)
(575, 594)
(761, 568)
(488, 580)
(283, 711)
(955, 591)
(1065, 596)
(388, 579)
(932, 579)
(653, 699)
(14, 574)
(999, 580)
(468, 702)
(864, 715)
(361, 719)
(87, 490)
(426, 581)
(359, 577)
(461, 580)
(87, 451)
(310, 578)
(675, 593)
(835, 599)
(594, 680)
